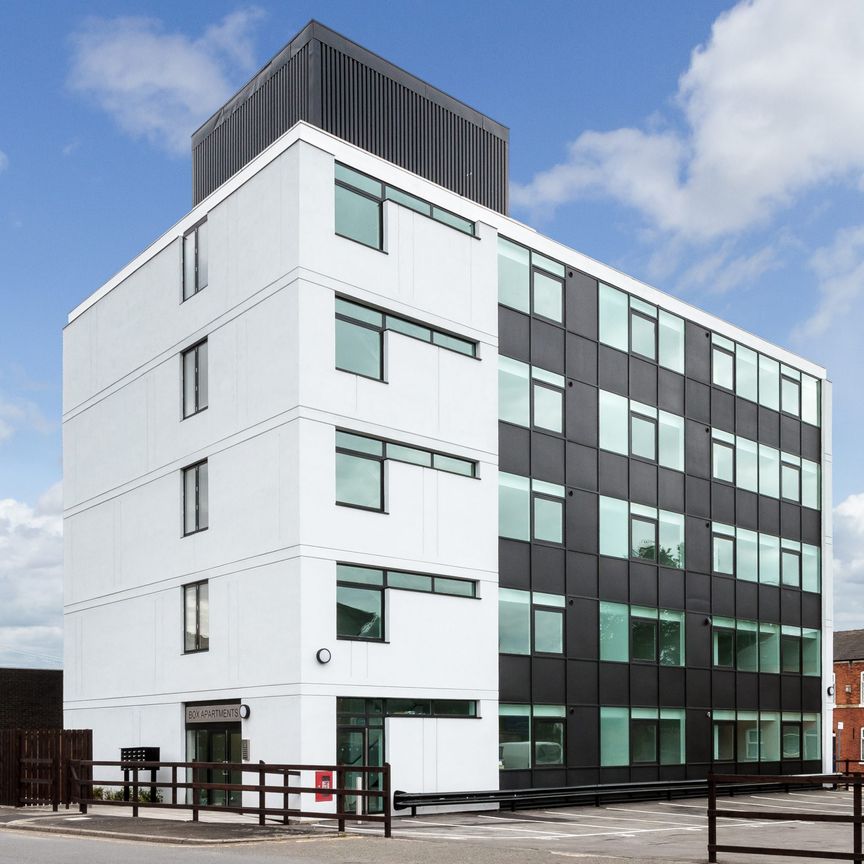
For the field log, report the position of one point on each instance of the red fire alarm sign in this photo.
(323, 780)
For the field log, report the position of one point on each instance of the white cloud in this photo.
(31, 581)
(771, 107)
(4, 161)
(849, 563)
(840, 269)
(22, 415)
(721, 271)
(157, 85)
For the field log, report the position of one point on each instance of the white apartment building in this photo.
(282, 439)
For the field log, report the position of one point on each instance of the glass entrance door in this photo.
(357, 745)
(215, 743)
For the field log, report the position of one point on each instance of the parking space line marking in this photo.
(573, 823)
(704, 810)
(619, 818)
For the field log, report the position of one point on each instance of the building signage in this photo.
(212, 713)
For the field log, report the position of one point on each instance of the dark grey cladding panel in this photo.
(339, 86)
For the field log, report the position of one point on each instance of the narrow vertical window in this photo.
(643, 532)
(723, 362)
(746, 373)
(359, 471)
(790, 477)
(723, 456)
(671, 341)
(195, 260)
(723, 549)
(514, 275)
(643, 431)
(195, 494)
(359, 336)
(769, 382)
(196, 617)
(514, 395)
(514, 621)
(790, 391)
(358, 207)
(195, 379)
(643, 328)
(359, 603)
(613, 317)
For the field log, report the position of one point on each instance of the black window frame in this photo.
(799, 649)
(733, 539)
(380, 331)
(717, 442)
(647, 520)
(731, 354)
(655, 623)
(185, 588)
(654, 421)
(732, 632)
(381, 483)
(798, 726)
(797, 469)
(730, 724)
(544, 607)
(545, 496)
(363, 586)
(797, 383)
(195, 466)
(198, 287)
(198, 407)
(653, 320)
(533, 269)
(645, 722)
(362, 193)
(545, 385)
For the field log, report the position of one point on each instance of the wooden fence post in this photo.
(388, 804)
(261, 796)
(340, 799)
(856, 812)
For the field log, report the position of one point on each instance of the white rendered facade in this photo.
(275, 533)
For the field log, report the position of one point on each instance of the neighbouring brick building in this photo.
(849, 699)
(31, 698)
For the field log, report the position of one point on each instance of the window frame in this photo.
(645, 722)
(198, 637)
(715, 348)
(731, 447)
(198, 408)
(645, 418)
(363, 586)
(533, 270)
(730, 538)
(381, 460)
(641, 517)
(369, 196)
(195, 466)
(366, 325)
(639, 313)
(198, 287)
(545, 385)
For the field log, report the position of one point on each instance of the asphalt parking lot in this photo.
(656, 830)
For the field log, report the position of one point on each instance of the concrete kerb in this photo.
(162, 831)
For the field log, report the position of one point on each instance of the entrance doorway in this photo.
(215, 743)
(361, 747)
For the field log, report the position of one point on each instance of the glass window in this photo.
(195, 261)
(549, 734)
(514, 506)
(614, 644)
(613, 317)
(746, 373)
(746, 555)
(614, 411)
(769, 735)
(769, 382)
(671, 440)
(790, 648)
(614, 736)
(724, 549)
(514, 621)
(547, 264)
(748, 736)
(723, 638)
(811, 652)
(454, 221)
(359, 481)
(514, 275)
(548, 408)
(643, 436)
(643, 332)
(810, 484)
(196, 617)
(671, 336)
(514, 397)
(409, 328)
(643, 634)
(358, 349)
(360, 181)
(769, 471)
(747, 646)
(548, 631)
(810, 560)
(548, 296)
(769, 559)
(359, 612)
(409, 581)
(809, 400)
(411, 455)
(614, 531)
(643, 735)
(514, 737)
(454, 343)
(747, 464)
(453, 465)
(790, 562)
(790, 392)
(672, 736)
(358, 217)
(671, 540)
(723, 457)
(194, 365)
(724, 735)
(548, 519)
(643, 532)
(671, 638)
(791, 739)
(362, 575)
(723, 368)
(407, 200)
(790, 477)
(195, 495)
(769, 647)
(810, 728)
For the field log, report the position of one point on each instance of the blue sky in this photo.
(713, 149)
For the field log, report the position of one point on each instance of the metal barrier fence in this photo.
(855, 819)
(139, 791)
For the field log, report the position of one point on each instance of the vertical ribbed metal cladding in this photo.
(394, 121)
(233, 140)
(335, 84)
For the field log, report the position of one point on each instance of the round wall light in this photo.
(323, 655)
(244, 712)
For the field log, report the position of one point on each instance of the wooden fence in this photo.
(34, 764)
(190, 779)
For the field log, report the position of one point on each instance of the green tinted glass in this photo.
(358, 349)
(358, 481)
(358, 217)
